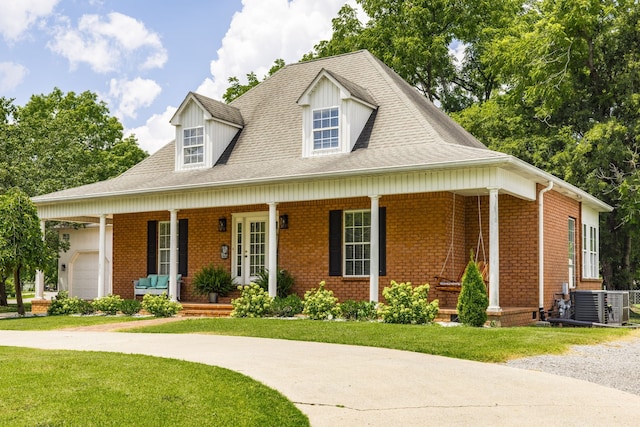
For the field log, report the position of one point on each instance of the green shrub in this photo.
(406, 304)
(359, 310)
(286, 307)
(320, 304)
(473, 300)
(253, 302)
(63, 304)
(213, 279)
(109, 304)
(10, 288)
(160, 305)
(284, 281)
(130, 307)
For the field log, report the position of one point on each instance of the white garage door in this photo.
(85, 276)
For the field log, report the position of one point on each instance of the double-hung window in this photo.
(357, 243)
(164, 247)
(326, 128)
(193, 145)
(589, 252)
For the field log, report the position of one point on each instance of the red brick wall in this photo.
(420, 233)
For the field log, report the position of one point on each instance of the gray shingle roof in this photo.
(408, 131)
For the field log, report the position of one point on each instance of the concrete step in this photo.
(205, 310)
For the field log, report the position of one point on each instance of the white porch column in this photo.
(39, 273)
(101, 254)
(173, 255)
(494, 253)
(273, 250)
(374, 266)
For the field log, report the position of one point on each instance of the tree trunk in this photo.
(16, 281)
(3, 292)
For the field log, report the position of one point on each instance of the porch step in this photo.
(205, 310)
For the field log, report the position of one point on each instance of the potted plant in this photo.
(213, 281)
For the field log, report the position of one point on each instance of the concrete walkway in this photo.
(340, 385)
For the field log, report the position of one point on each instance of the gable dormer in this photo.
(334, 112)
(204, 129)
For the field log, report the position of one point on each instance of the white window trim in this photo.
(572, 252)
(186, 165)
(344, 243)
(167, 249)
(329, 150)
(590, 253)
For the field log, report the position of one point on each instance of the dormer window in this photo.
(193, 145)
(334, 113)
(326, 129)
(204, 130)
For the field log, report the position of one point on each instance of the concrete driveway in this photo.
(340, 385)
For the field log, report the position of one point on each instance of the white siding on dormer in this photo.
(324, 95)
(356, 117)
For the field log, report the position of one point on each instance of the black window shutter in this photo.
(382, 239)
(183, 246)
(152, 246)
(335, 243)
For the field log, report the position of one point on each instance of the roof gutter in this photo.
(541, 248)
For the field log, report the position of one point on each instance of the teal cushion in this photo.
(163, 282)
(154, 280)
(143, 283)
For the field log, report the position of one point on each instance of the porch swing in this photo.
(446, 284)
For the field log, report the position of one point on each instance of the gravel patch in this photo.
(614, 364)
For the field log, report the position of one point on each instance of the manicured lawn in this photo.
(47, 323)
(13, 308)
(481, 344)
(56, 388)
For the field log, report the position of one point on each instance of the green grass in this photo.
(56, 388)
(481, 344)
(47, 323)
(13, 308)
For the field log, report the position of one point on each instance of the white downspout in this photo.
(541, 249)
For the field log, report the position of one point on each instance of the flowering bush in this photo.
(253, 302)
(108, 305)
(406, 304)
(63, 304)
(320, 304)
(160, 305)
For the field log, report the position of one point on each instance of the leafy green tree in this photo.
(570, 73)
(236, 89)
(57, 141)
(473, 300)
(21, 243)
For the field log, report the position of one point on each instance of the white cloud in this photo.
(11, 75)
(266, 30)
(156, 132)
(133, 94)
(104, 43)
(18, 15)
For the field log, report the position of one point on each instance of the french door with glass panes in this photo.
(250, 246)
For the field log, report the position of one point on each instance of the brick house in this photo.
(338, 170)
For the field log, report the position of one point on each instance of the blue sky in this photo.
(143, 56)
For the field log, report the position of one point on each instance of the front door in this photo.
(251, 237)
